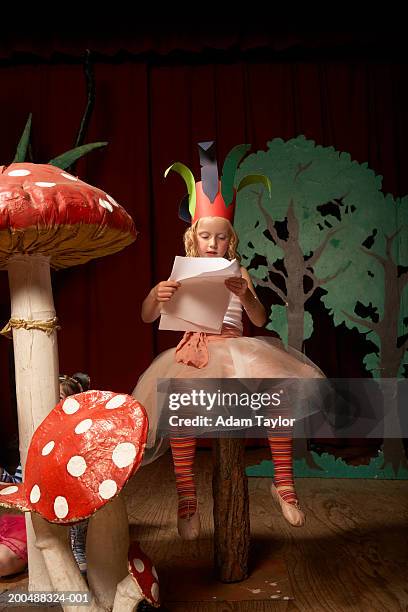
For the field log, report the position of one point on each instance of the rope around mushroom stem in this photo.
(47, 326)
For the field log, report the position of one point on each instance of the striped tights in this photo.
(183, 451)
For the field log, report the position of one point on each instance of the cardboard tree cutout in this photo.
(311, 233)
(376, 302)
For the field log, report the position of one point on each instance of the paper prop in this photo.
(201, 301)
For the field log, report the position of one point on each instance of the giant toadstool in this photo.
(48, 217)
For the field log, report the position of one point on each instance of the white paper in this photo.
(201, 301)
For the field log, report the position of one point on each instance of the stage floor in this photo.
(351, 555)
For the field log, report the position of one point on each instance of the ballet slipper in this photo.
(291, 512)
(189, 527)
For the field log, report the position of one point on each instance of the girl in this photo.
(13, 537)
(219, 356)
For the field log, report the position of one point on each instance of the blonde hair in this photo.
(190, 242)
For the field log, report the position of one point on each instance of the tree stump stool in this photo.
(231, 510)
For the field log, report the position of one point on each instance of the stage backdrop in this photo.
(156, 97)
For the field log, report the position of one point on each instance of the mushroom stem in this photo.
(53, 541)
(38, 577)
(107, 544)
(36, 369)
(128, 596)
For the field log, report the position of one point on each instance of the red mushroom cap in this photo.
(81, 456)
(46, 210)
(144, 574)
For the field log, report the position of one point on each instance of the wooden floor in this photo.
(352, 554)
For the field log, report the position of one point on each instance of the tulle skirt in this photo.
(13, 534)
(239, 357)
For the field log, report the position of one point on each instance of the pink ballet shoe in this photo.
(189, 528)
(291, 512)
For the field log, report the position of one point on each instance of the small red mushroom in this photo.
(79, 459)
(81, 456)
(142, 584)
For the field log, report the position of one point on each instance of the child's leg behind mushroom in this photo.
(10, 563)
(13, 544)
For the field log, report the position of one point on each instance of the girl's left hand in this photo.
(236, 285)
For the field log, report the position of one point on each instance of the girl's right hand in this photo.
(164, 291)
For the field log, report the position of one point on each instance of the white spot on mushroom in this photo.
(124, 454)
(154, 572)
(35, 494)
(116, 402)
(48, 448)
(83, 426)
(19, 173)
(155, 591)
(111, 200)
(107, 489)
(70, 405)
(139, 565)
(60, 507)
(76, 466)
(44, 184)
(105, 204)
(8, 490)
(69, 176)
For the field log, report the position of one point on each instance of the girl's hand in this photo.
(236, 285)
(164, 291)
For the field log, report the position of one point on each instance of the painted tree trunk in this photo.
(294, 264)
(390, 360)
(295, 267)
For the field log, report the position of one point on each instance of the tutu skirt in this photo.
(230, 357)
(13, 534)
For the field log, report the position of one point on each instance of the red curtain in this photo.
(153, 104)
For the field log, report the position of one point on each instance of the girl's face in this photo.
(213, 236)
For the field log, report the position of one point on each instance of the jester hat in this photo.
(212, 197)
